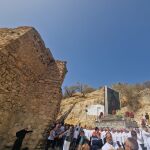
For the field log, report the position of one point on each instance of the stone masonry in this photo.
(30, 85)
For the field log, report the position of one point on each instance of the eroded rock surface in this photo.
(30, 84)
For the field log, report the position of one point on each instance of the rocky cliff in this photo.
(30, 85)
(78, 105)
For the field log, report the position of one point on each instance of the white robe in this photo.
(114, 136)
(124, 137)
(129, 134)
(140, 140)
(146, 136)
(103, 135)
(66, 145)
(148, 143)
(75, 134)
(108, 146)
(119, 137)
(87, 133)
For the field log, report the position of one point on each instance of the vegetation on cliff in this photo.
(130, 94)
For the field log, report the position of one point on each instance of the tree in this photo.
(131, 93)
(146, 84)
(133, 100)
(78, 87)
(84, 89)
(69, 91)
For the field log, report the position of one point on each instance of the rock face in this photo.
(30, 85)
(78, 105)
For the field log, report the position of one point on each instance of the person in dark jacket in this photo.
(147, 118)
(96, 141)
(20, 136)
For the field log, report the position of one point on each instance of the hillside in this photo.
(76, 105)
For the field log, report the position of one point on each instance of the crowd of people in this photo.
(69, 137)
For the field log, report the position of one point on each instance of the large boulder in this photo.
(30, 85)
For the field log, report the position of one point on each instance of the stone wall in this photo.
(30, 85)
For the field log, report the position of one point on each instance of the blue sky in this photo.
(103, 41)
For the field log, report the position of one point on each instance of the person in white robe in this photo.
(119, 137)
(114, 136)
(124, 136)
(140, 139)
(103, 135)
(146, 136)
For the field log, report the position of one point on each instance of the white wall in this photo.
(95, 110)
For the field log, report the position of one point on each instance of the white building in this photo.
(94, 110)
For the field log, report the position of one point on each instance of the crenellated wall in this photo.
(30, 85)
